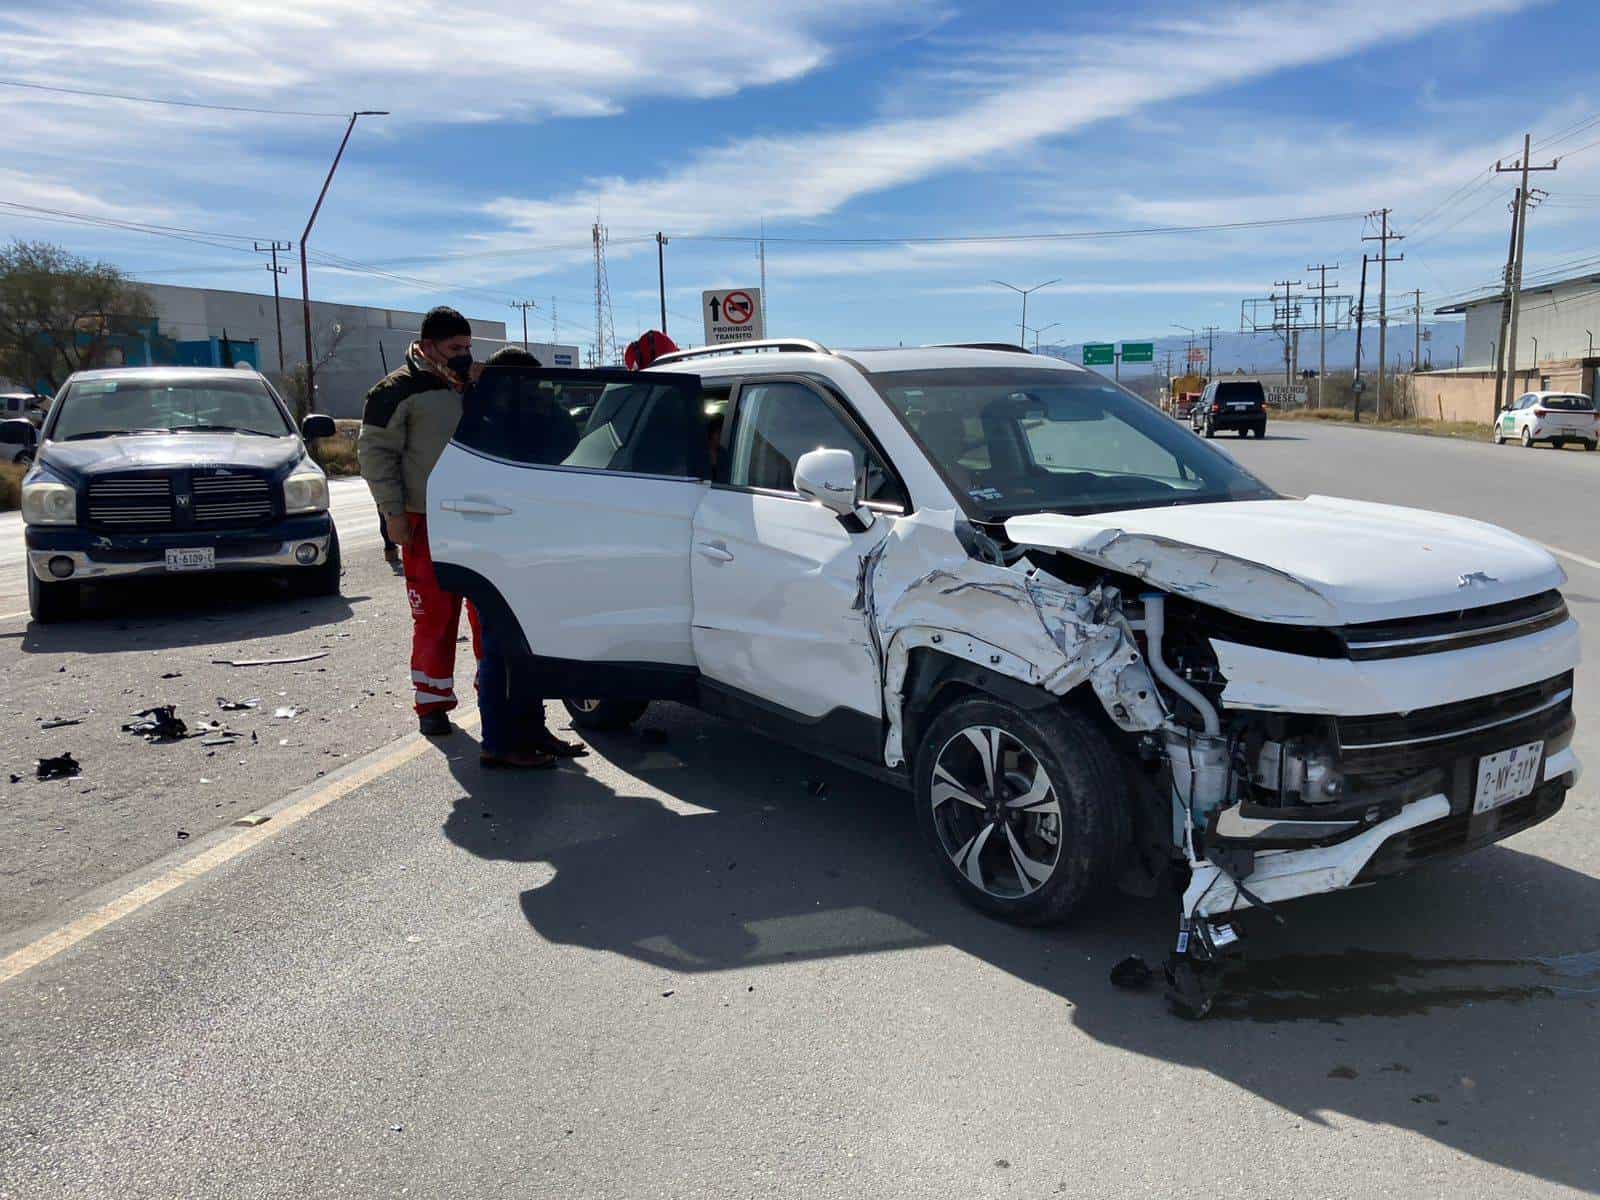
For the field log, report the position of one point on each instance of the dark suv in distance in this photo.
(1239, 404)
(164, 470)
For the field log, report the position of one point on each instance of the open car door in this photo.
(564, 510)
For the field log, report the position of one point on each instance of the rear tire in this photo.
(1590, 445)
(51, 602)
(1051, 833)
(605, 715)
(1527, 438)
(1211, 430)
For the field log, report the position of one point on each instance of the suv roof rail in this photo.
(1011, 346)
(777, 345)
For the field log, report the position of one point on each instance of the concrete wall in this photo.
(191, 313)
(1468, 394)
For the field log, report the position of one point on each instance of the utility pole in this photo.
(1211, 345)
(1514, 297)
(1288, 287)
(524, 305)
(1416, 330)
(1356, 384)
(277, 302)
(661, 274)
(553, 323)
(1383, 238)
(761, 255)
(1505, 305)
(305, 270)
(1322, 270)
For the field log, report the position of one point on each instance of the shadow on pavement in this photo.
(164, 614)
(1415, 1004)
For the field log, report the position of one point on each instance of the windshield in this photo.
(1017, 441)
(1568, 403)
(109, 407)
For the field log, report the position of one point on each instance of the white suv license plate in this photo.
(1507, 776)
(200, 558)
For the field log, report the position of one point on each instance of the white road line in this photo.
(1592, 564)
(277, 817)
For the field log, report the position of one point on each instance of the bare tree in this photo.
(327, 339)
(59, 312)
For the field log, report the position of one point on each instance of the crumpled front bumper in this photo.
(1424, 830)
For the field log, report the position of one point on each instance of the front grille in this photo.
(131, 502)
(1429, 736)
(231, 499)
(1456, 630)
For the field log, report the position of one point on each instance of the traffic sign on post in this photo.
(1137, 352)
(1099, 354)
(733, 315)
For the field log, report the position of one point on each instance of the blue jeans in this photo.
(511, 716)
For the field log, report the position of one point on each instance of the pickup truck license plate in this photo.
(200, 558)
(1507, 776)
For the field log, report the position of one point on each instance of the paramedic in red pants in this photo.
(409, 419)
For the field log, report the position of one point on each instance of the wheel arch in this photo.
(936, 679)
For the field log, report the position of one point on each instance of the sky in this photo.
(843, 132)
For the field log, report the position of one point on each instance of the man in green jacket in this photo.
(409, 419)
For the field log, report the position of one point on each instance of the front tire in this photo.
(605, 715)
(322, 579)
(1499, 435)
(1026, 810)
(1590, 445)
(1211, 430)
(51, 602)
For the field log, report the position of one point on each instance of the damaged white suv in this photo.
(1094, 647)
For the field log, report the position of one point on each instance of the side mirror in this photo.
(318, 425)
(829, 478)
(18, 431)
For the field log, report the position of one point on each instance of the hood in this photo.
(1317, 561)
(172, 451)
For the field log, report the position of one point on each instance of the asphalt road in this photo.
(674, 970)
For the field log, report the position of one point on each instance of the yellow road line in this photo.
(9, 616)
(208, 860)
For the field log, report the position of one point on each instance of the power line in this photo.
(239, 108)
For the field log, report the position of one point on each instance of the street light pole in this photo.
(305, 272)
(1037, 332)
(1024, 292)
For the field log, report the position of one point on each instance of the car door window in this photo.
(778, 422)
(638, 422)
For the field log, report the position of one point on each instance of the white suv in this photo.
(1554, 417)
(1094, 648)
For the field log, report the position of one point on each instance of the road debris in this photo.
(63, 766)
(1132, 973)
(268, 662)
(159, 724)
(60, 723)
(253, 820)
(287, 712)
(173, 675)
(227, 705)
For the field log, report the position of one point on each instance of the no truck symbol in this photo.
(737, 309)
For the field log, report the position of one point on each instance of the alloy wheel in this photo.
(996, 812)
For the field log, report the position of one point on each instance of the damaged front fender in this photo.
(930, 584)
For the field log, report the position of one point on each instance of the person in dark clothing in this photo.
(514, 731)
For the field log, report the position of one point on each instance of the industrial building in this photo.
(1556, 327)
(356, 345)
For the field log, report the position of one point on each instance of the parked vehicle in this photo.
(26, 406)
(164, 470)
(1237, 404)
(1092, 646)
(1553, 417)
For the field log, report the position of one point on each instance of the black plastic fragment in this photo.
(157, 724)
(227, 705)
(1132, 973)
(63, 766)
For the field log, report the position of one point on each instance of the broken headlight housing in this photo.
(47, 501)
(306, 489)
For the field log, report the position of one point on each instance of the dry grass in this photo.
(338, 453)
(1467, 430)
(11, 486)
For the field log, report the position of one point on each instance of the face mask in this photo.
(460, 363)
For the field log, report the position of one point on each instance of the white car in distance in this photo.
(1093, 647)
(1553, 417)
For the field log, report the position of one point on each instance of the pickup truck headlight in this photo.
(306, 489)
(46, 502)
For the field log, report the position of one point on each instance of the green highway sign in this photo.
(1099, 354)
(1133, 352)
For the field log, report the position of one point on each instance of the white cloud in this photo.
(1014, 96)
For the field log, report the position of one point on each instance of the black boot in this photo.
(435, 724)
